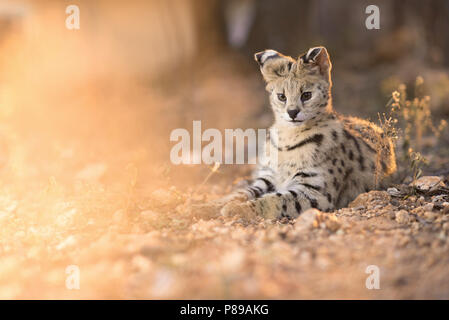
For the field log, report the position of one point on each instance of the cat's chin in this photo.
(294, 123)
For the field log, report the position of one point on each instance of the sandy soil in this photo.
(158, 249)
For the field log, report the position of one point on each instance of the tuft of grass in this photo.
(416, 116)
(417, 160)
(410, 119)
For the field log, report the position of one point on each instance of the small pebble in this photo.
(393, 191)
(429, 215)
(402, 217)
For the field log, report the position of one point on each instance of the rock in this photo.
(332, 223)
(429, 215)
(393, 192)
(428, 207)
(306, 220)
(395, 203)
(402, 217)
(313, 218)
(438, 198)
(364, 198)
(427, 183)
(421, 200)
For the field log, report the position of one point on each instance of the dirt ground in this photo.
(86, 182)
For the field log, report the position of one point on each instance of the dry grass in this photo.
(405, 123)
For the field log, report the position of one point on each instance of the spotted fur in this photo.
(323, 160)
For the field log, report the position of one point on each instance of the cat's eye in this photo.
(282, 97)
(306, 96)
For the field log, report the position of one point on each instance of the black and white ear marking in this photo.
(274, 65)
(263, 56)
(315, 59)
(311, 55)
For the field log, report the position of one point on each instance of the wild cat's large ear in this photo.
(317, 60)
(273, 64)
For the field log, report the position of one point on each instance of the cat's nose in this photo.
(292, 113)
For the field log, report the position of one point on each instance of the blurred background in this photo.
(138, 70)
(86, 115)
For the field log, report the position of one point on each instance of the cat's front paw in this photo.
(238, 209)
(268, 206)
